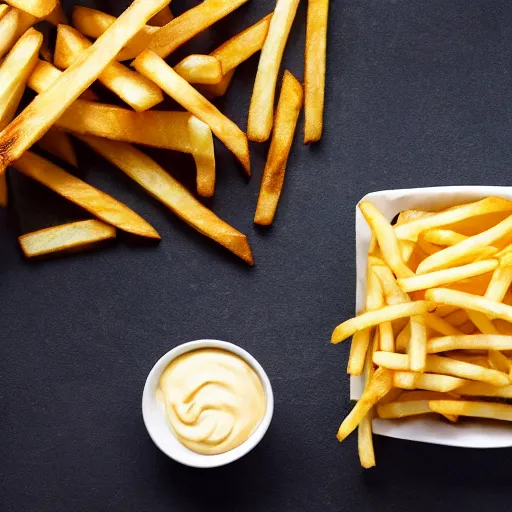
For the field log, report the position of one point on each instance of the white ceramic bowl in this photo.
(159, 428)
(468, 434)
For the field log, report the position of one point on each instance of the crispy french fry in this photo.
(427, 381)
(242, 46)
(216, 90)
(171, 193)
(183, 28)
(93, 23)
(468, 301)
(49, 105)
(200, 69)
(406, 249)
(482, 389)
(439, 324)
(387, 338)
(152, 66)
(386, 238)
(417, 348)
(412, 214)
(314, 69)
(463, 251)
(63, 238)
(392, 291)
(473, 409)
(58, 143)
(480, 360)
(37, 8)
(133, 88)
(378, 387)
(482, 323)
(372, 318)
(410, 230)
(443, 237)
(261, 111)
(406, 380)
(201, 141)
(446, 276)
(394, 410)
(498, 361)
(500, 280)
(287, 114)
(162, 17)
(471, 342)
(8, 30)
(98, 203)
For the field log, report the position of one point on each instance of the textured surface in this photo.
(418, 94)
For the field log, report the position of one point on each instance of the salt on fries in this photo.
(439, 281)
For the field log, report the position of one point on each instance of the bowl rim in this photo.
(181, 453)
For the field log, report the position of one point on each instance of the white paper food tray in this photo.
(470, 434)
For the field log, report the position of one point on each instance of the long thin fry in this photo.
(482, 389)
(38, 8)
(314, 69)
(403, 409)
(152, 66)
(98, 203)
(287, 114)
(133, 88)
(261, 111)
(9, 24)
(387, 338)
(473, 409)
(417, 348)
(63, 238)
(469, 342)
(201, 141)
(170, 192)
(444, 237)
(500, 280)
(393, 293)
(59, 144)
(427, 381)
(439, 324)
(48, 106)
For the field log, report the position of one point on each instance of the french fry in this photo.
(500, 280)
(498, 361)
(387, 338)
(98, 203)
(192, 22)
(479, 360)
(473, 409)
(386, 238)
(37, 8)
(8, 30)
(162, 17)
(417, 348)
(63, 238)
(447, 276)
(242, 46)
(171, 193)
(463, 251)
(133, 88)
(482, 389)
(287, 114)
(443, 237)
(152, 66)
(411, 230)
(261, 111)
(93, 23)
(392, 291)
(314, 69)
(373, 318)
(402, 340)
(379, 386)
(58, 143)
(395, 410)
(468, 301)
(201, 141)
(57, 16)
(412, 214)
(200, 69)
(427, 381)
(439, 324)
(49, 105)
(216, 90)
(471, 342)
(457, 318)
(483, 324)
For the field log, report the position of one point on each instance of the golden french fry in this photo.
(9, 24)
(133, 88)
(63, 238)
(192, 22)
(161, 185)
(410, 230)
(201, 141)
(500, 280)
(443, 311)
(37, 8)
(373, 318)
(406, 249)
(200, 69)
(482, 389)
(152, 66)
(57, 16)
(479, 360)
(379, 386)
(473, 409)
(93, 23)
(403, 337)
(48, 106)
(417, 348)
(467, 301)
(392, 291)
(59, 144)
(162, 17)
(216, 90)
(460, 252)
(471, 342)
(457, 318)
(242, 46)
(387, 338)
(443, 366)
(413, 214)
(443, 237)
(498, 361)
(395, 410)
(426, 381)
(386, 238)
(482, 323)
(446, 276)
(314, 69)
(392, 396)
(439, 324)
(261, 111)
(98, 203)
(287, 114)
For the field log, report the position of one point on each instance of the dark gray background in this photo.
(418, 94)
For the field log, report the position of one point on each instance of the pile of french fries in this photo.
(435, 336)
(96, 47)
